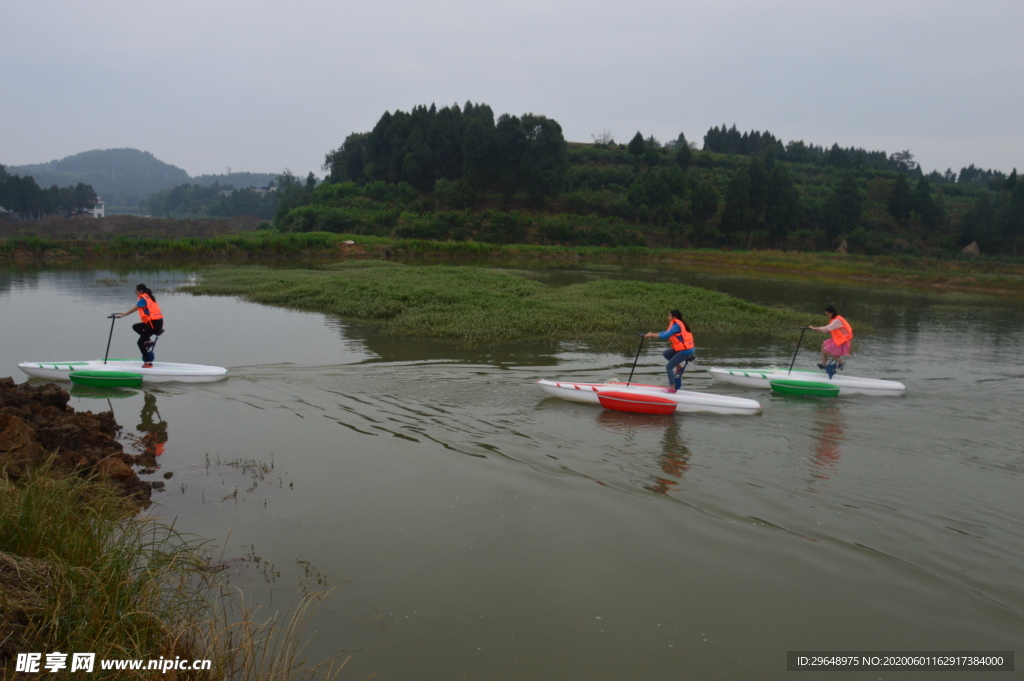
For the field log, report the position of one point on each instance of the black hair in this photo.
(676, 314)
(145, 289)
(832, 311)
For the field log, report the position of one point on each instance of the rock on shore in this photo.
(37, 423)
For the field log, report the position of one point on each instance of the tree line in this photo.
(511, 154)
(21, 195)
(212, 201)
(459, 173)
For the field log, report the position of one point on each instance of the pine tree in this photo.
(900, 203)
(637, 147)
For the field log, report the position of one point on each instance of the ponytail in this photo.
(676, 314)
(143, 288)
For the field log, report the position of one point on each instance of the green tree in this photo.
(445, 133)
(1015, 216)
(704, 201)
(783, 209)
(838, 157)
(925, 205)
(843, 208)
(637, 147)
(479, 150)
(746, 199)
(659, 193)
(652, 157)
(1011, 181)
(290, 194)
(900, 202)
(738, 215)
(903, 161)
(636, 195)
(979, 224)
(544, 159)
(758, 185)
(510, 143)
(676, 180)
(684, 155)
(83, 197)
(347, 162)
(418, 167)
(797, 152)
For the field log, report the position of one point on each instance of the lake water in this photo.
(473, 529)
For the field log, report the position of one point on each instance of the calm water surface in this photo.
(472, 529)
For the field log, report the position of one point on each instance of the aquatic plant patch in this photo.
(474, 306)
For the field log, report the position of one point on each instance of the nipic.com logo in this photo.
(36, 663)
(33, 662)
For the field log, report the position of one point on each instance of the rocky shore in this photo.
(36, 424)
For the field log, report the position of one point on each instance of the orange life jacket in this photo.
(151, 311)
(843, 334)
(682, 340)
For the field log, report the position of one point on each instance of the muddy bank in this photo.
(37, 423)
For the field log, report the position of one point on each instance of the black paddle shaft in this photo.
(803, 329)
(635, 359)
(107, 353)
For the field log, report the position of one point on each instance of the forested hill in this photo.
(124, 177)
(461, 173)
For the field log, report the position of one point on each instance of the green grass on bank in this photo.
(999, 274)
(474, 306)
(263, 242)
(81, 572)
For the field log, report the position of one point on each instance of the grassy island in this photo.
(475, 306)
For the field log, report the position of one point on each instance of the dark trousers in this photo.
(675, 358)
(147, 331)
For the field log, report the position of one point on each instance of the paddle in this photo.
(802, 330)
(635, 359)
(107, 353)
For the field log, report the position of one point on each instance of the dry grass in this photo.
(81, 572)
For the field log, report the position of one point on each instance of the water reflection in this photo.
(829, 432)
(672, 456)
(674, 460)
(86, 393)
(154, 441)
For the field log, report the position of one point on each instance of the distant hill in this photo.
(124, 177)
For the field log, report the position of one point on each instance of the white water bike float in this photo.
(160, 372)
(806, 382)
(647, 399)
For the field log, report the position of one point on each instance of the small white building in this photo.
(99, 210)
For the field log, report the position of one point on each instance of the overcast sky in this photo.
(263, 86)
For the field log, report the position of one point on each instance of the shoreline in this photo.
(180, 243)
(82, 570)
